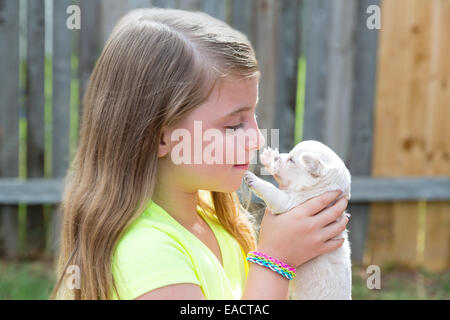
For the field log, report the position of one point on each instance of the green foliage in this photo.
(25, 281)
(300, 103)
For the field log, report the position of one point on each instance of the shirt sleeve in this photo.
(147, 260)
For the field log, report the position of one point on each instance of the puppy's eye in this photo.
(291, 159)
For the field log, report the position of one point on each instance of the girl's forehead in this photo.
(228, 96)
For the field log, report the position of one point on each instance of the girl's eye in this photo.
(234, 128)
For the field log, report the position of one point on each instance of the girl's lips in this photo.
(241, 166)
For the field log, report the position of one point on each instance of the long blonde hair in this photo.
(156, 67)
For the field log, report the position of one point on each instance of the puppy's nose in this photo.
(276, 158)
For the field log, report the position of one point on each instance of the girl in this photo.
(138, 223)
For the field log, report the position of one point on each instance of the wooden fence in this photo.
(346, 105)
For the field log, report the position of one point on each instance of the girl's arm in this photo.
(179, 291)
(265, 284)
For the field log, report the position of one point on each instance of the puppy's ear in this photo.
(312, 163)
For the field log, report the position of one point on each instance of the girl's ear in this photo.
(164, 142)
(312, 163)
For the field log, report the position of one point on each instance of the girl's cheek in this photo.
(235, 148)
(228, 149)
(218, 151)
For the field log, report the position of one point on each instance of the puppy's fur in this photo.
(309, 170)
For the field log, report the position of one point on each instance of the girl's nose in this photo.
(257, 140)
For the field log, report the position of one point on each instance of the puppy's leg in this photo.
(277, 200)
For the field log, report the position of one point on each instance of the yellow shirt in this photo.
(157, 251)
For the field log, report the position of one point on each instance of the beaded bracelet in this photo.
(270, 262)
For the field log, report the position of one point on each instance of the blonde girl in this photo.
(137, 223)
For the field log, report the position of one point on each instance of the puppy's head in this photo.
(309, 166)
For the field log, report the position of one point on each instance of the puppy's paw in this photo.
(250, 178)
(267, 156)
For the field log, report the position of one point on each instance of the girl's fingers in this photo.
(317, 204)
(334, 229)
(331, 245)
(331, 214)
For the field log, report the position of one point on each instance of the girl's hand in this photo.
(304, 232)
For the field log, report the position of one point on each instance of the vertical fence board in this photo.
(437, 155)
(316, 42)
(9, 119)
(60, 105)
(135, 4)
(394, 64)
(111, 12)
(412, 109)
(35, 230)
(339, 90)
(266, 13)
(359, 152)
(89, 44)
(288, 39)
(190, 5)
(165, 3)
(241, 17)
(217, 9)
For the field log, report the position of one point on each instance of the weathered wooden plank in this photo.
(35, 223)
(217, 9)
(288, 39)
(165, 3)
(111, 12)
(61, 89)
(241, 17)
(358, 154)
(190, 5)
(400, 189)
(89, 44)
(60, 106)
(316, 49)
(266, 14)
(135, 4)
(31, 191)
(9, 119)
(364, 189)
(339, 89)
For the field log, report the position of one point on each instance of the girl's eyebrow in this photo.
(239, 110)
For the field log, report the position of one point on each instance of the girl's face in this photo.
(203, 151)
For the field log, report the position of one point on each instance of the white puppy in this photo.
(309, 170)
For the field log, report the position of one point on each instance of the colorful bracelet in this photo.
(270, 262)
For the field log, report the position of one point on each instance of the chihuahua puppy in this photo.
(309, 170)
